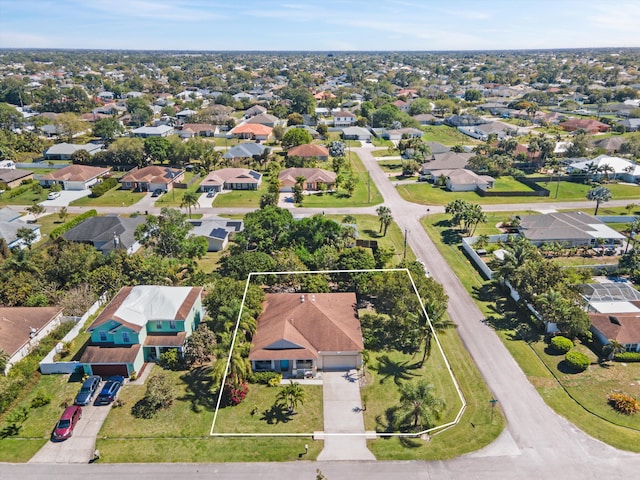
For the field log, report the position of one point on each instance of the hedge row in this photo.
(14, 192)
(56, 232)
(103, 187)
(627, 357)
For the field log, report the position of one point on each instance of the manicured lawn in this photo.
(589, 388)
(115, 197)
(446, 135)
(210, 261)
(26, 198)
(391, 165)
(241, 198)
(369, 228)
(381, 142)
(174, 197)
(385, 153)
(426, 194)
(510, 184)
(49, 222)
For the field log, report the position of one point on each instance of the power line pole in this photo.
(404, 254)
(368, 186)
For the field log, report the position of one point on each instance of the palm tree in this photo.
(291, 395)
(4, 359)
(36, 210)
(189, 201)
(63, 213)
(419, 405)
(611, 348)
(599, 195)
(384, 215)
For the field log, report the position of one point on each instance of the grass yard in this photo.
(37, 428)
(368, 228)
(241, 198)
(181, 433)
(427, 194)
(49, 222)
(360, 197)
(590, 387)
(446, 135)
(25, 198)
(381, 142)
(115, 197)
(510, 184)
(385, 153)
(210, 262)
(174, 197)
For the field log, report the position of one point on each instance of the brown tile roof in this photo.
(153, 174)
(228, 175)
(312, 175)
(308, 150)
(76, 173)
(165, 339)
(622, 327)
(16, 324)
(110, 353)
(292, 329)
(8, 175)
(185, 308)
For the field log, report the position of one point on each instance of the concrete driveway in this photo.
(344, 434)
(81, 446)
(65, 198)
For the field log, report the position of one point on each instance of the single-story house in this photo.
(140, 324)
(298, 334)
(22, 328)
(500, 129)
(13, 177)
(464, 120)
(572, 228)
(217, 231)
(356, 133)
(254, 110)
(589, 125)
(624, 328)
(611, 144)
(631, 124)
(264, 119)
(401, 133)
(75, 177)
(606, 166)
(11, 223)
(231, 179)
(252, 131)
(107, 233)
(199, 129)
(344, 119)
(313, 177)
(428, 119)
(186, 113)
(152, 178)
(247, 150)
(309, 150)
(63, 151)
(462, 180)
(445, 161)
(159, 131)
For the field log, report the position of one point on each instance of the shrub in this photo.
(159, 395)
(627, 357)
(103, 187)
(40, 400)
(170, 359)
(561, 344)
(624, 403)
(56, 232)
(578, 360)
(234, 393)
(275, 381)
(264, 378)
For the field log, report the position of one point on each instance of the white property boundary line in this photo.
(438, 428)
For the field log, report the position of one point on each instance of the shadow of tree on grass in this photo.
(278, 413)
(399, 371)
(199, 389)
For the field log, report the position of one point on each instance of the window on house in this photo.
(159, 325)
(172, 324)
(304, 364)
(103, 336)
(632, 347)
(125, 337)
(262, 364)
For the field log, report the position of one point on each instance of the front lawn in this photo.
(175, 196)
(116, 197)
(241, 198)
(449, 136)
(385, 153)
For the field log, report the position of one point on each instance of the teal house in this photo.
(138, 325)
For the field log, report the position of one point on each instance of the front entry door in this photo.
(284, 365)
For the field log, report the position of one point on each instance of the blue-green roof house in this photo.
(138, 325)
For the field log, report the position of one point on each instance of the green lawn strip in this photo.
(307, 418)
(476, 429)
(20, 450)
(510, 184)
(115, 197)
(446, 135)
(532, 363)
(174, 197)
(49, 222)
(427, 194)
(369, 228)
(206, 449)
(381, 142)
(210, 262)
(391, 165)
(26, 198)
(241, 198)
(384, 153)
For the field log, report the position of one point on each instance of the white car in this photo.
(53, 195)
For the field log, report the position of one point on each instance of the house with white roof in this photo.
(605, 166)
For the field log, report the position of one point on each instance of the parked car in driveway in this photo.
(88, 390)
(109, 390)
(53, 195)
(66, 424)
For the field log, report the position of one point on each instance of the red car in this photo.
(64, 427)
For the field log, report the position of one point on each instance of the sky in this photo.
(322, 25)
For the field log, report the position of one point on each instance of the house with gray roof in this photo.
(572, 229)
(159, 131)
(445, 161)
(107, 233)
(247, 150)
(462, 180)
(356, 133)
(10, 223)
(265, 119)
(13, 177)
(63, 151)
(216, 230)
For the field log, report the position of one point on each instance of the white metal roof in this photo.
(152, 302)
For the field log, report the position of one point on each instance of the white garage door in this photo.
(339, 362)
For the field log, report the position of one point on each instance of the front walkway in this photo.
(344, 434)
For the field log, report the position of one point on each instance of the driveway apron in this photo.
(344, 434)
